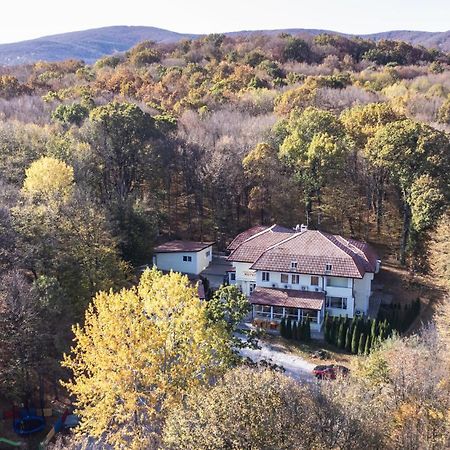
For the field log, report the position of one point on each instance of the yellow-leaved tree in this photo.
(139, 352)
(48, 177)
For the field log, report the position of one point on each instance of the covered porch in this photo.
(269, 306)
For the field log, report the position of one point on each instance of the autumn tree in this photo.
(208, 419)
(140, 350)
(361, 123)
(261, 167)
(416, 158)
(62, 233)
(70, 114)
(315, 147)
(121, 141)
(48, 177)
(21, 336)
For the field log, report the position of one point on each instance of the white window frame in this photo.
(328, 302)
(295, 279)
(187, 258)
(265, 276)
(284, 275)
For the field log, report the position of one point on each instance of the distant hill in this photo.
(90, 45)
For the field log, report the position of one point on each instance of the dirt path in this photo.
(295, 366)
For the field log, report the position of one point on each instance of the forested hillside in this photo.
(200, 139)
(90, 45)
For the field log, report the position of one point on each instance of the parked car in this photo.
(330, 371)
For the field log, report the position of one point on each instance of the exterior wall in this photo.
(357, 291)
(275, 279)
(362, 291)
(204, 257)
(305, 284)
(174, 261)
(345, 292)
(244, 276)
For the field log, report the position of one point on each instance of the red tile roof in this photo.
(182, 246)
(289, 298)
(313, 250)
(253, 247)
(241, 237)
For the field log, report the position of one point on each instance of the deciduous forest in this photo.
(201, 139)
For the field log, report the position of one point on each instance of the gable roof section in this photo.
(253, 247)
(241, 237)
(182, 246)
(313, 250)
(288, 298)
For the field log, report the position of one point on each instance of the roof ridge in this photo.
(252, 237)
(327, 236)
(352, 253)
(257, 234)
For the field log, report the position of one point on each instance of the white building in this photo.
(298, 274)
(186, 257)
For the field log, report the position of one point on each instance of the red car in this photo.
(330, 371)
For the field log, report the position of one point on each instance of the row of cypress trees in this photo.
(400, 317)
(357, 335)
(292, 329)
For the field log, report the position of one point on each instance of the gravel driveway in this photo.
(296, 367)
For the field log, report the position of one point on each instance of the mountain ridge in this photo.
(91, 44)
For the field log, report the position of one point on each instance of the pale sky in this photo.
(34, 18)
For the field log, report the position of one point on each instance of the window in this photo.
(308, 314)
(208, 253)
(295, 279)
(284, 278)
(291, 313)
(328, 267)
(262, 311)
(314, 281)
(252, 287)
(278, 312)
(187, 258)
(266, 276)
(336, 302)
(293, 264)
(337, 282)
(232, 276)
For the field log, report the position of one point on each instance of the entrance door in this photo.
(252, 287)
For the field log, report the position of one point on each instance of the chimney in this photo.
(303, 228)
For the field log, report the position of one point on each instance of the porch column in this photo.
(318, 317)
(271, 313)
(298, 315)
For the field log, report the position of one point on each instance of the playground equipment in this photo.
(29, 424)
(65, 421)
(9, 442)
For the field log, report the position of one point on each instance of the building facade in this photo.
(302, 273)
(187, 257)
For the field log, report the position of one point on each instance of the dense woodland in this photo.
(201, 139)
